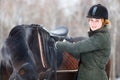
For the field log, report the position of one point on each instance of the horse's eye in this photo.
(22, 72)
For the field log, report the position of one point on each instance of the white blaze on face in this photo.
(95, 24)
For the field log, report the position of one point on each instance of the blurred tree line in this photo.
(52, 13)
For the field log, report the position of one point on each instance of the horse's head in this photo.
(17, 55)
(27, 51)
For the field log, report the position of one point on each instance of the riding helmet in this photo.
(98, 11)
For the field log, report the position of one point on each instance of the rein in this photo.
(41, 51)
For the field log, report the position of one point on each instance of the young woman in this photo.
(93, 52)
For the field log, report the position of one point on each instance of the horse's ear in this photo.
(17, 29)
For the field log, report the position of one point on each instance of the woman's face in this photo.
(95, 24)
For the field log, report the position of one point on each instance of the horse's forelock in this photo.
(28, 36)
(28, 33)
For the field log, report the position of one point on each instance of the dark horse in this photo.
(17, 61)
(27, 55)
(22, 54)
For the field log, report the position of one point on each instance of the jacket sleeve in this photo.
(93, 43)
